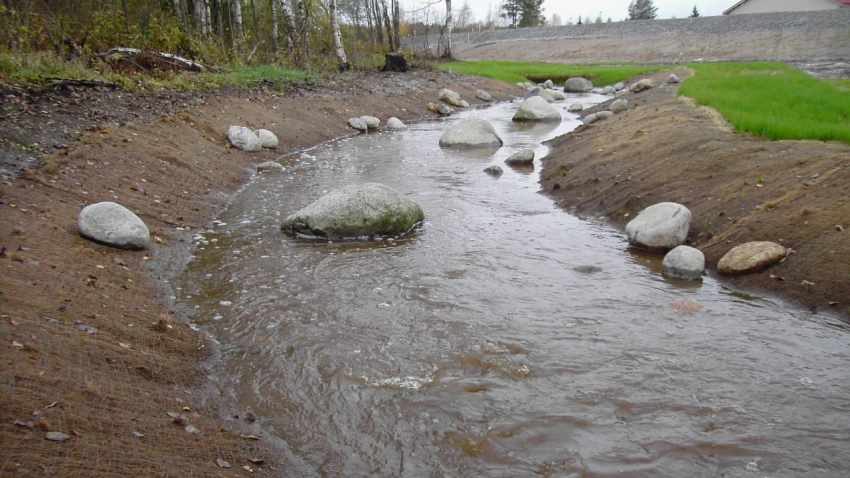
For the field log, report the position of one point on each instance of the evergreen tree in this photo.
(695, 13)
(512, 10)
(531, 13)
(642, 10)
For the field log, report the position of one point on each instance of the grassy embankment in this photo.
(515, 71)
(772, 100)
(41, 68)
(767, 99)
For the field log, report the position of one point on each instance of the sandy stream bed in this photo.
(112, 389)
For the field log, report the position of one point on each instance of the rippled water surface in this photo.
(503, 337)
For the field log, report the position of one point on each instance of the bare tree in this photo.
(340, 51)
(447, 53)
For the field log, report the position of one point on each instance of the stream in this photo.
(503, 336)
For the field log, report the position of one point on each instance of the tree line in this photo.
(304, 33)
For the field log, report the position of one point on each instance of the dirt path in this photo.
(90, 345)
(739, 188)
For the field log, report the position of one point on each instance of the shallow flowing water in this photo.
(502, 337)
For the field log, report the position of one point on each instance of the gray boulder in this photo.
(548, 84)
(449, 97)
(371, 122)
(672, 79)
(618, 106)
(619, 86)
(356, 211)
(528, 85)
(594, 117)
(443, 109)
(267, 138)
(556, 95)
(269, 167)
(683, 262)
(608, 90)
(659, 227)
(536, 109)
(523, 157)
(493, 170)
(521, 84)
(641, 85)
(483, 96)
(575, 108)
(464, 104)
(751, 257)
(538, 91)
(244, 139)
(358, 124)
(113, 225)
(395, 124)
(620, 93)
(578, 85)
(471, 133)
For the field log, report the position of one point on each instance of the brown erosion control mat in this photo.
(89, 346)
(739, 188)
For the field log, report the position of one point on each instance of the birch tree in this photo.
(447, 53)
(340, 51)
(238, 26)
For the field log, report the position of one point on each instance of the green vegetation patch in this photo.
(773, 100)
(42, 67)
(515, 71)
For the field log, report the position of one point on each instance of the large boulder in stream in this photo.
(659, 227)
(356, 211)
(684, 262)
(112, 224)
(472, 133)
(578, 85)
(449, 96)
(536, 109)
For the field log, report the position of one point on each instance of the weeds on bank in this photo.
(773, 100)
(515, 71)
(40, 68)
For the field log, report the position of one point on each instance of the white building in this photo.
(770, 6)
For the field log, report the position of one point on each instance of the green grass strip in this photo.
(515, 71)
(772, 100)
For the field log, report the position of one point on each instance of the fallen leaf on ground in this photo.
(250, 437)
(257, 461)
(191, 429)
(138, 435)
(122, 344)
(13, 322)
(172, 414)
(248, 469)
(51, 405)
(17, 344)
(18, 423)
(56, 436)
(223, 463)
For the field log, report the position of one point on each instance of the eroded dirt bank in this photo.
(90, 346)
(739, 188)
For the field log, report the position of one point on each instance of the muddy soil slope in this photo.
(739, 188)
(99, 376)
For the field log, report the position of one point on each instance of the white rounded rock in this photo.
(683, 262)
(659, 227)
(371, 122)
(112, 224)
(536, 109)
(472, 133)
(395, 124)
(244, 139)
(267, 138)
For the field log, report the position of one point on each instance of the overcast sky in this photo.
(615, 9)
